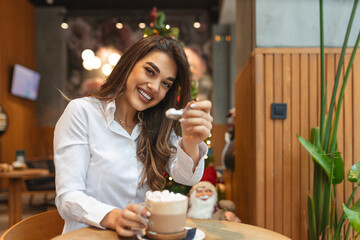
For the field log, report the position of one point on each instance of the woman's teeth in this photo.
(144, 94)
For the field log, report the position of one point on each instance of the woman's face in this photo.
(150, 80)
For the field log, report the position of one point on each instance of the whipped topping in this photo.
(164, 196)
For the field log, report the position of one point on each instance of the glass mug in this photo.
(166, 216)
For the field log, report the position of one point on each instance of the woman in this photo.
(112, 147)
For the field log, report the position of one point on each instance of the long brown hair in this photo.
(154, 147)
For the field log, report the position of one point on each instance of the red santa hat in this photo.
(208, 180)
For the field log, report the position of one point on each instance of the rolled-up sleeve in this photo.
(72, 158)
(180, 165)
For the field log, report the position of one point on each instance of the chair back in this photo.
(41, 226)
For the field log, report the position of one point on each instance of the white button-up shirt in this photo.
(97, 169)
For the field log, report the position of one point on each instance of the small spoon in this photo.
(174, 114)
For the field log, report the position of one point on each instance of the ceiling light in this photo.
(113, 58)
(87, 54)
(119, 24)
(106, 69)
(197, 22)
(142, 24)
(64, 24)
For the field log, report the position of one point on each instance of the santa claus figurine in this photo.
(203, 200)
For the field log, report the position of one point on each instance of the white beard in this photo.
(200, 208)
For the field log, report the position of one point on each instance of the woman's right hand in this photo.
(126, 222)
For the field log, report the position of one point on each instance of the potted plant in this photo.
(323, 221)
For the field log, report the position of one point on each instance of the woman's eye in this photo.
(150, 71)
(166, 84)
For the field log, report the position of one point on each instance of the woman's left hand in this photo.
(196, 123)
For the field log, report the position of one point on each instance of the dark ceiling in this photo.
(211, 7)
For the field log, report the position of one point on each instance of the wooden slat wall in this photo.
(17, 45)
(273, 173)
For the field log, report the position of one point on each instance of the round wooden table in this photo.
(213, 229)
(15, 188)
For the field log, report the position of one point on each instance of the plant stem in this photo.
(336, 120)
(341, 61)
(322, 67)
(347, 232)
(330, 197)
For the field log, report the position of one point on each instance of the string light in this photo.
(106, 69)
(119, 24)
(197, 22)
(142, 24)
(113, 58)
(64, 24)
(87, 54)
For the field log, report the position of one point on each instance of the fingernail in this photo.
(142, 226)
(148, 214)
(193, 105)
(182, 120)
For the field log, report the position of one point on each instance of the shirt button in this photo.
(133, 185)
(130, 201)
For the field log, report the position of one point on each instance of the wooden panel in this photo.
(243, 181)
(278, 146)
(356, 112)
(304, 132)
(286, 218)
(283, 169)
(259, 140)
(17, 45)
(295, 147)
(218, 142)
(269, 143)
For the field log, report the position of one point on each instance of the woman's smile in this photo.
(144, 94)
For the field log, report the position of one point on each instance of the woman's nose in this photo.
(154, 86)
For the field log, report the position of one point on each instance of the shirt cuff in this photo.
(97, 214)
(186, 165)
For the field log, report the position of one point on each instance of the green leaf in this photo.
(354, 174)
(338, 169)
(356, 206)
(353, 216)
(324, 161)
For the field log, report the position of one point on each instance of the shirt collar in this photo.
(109, 110)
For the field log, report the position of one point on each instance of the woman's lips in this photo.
(144, 94)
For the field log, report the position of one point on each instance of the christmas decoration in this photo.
(203, 200)
(158, 27)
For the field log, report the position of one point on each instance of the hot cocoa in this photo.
(168, 211)
(170, 223)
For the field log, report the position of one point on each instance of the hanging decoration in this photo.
(158, 26)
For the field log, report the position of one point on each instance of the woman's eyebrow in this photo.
(158, 70)
(154, 66)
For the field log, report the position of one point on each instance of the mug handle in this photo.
(141, 217)
(142, 232)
